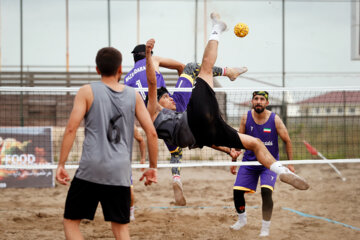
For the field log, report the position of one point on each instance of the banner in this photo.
(26, 146)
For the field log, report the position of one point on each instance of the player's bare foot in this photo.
(178, 193)
(294, 180)
(215, 17)
(233, 73)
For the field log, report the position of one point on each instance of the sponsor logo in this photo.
(268, 143)
(251, 128)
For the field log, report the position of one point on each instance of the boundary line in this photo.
(321, 218)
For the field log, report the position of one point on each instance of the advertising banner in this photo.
(26, 146)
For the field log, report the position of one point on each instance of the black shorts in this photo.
(205, 121)
(83, 198)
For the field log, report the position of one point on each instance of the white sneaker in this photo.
(178, 193)
(265, 229)
(215, 17)
(238, 225)
(264, 233)
(294, 180)
(233, 73)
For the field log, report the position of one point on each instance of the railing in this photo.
(61, 79)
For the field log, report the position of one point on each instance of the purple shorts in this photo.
(248, 177)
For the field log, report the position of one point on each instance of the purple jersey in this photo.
(136, 78)
(248, 176)
(182, 98)
(266, 133)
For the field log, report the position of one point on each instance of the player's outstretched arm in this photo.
(145, 121)
(152, 106)
(168, 63)
(77, 114)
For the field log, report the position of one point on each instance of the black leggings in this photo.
(267, 202)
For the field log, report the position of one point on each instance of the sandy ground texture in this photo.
(330, 208)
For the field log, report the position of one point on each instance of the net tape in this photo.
(191, 164)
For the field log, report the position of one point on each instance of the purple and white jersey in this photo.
(182, 98)
(136, 78)
(266, 133)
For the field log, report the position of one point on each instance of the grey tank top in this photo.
(174, 129)
(109, 132)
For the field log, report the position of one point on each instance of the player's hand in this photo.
(62, 176)
(234, 154)
(233, 169)
(291, 167)
(150, 176)
(150, 45)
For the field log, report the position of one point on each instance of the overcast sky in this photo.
(317, 36)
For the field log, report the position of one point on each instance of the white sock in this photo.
(265, 224)
(215, 32)
(278, 168)
(242, 217)
(176, 178)
(224, 71)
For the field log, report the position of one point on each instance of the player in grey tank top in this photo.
(104, 172)
(110, 161)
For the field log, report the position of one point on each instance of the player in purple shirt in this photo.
(136, 77)
(266, 126)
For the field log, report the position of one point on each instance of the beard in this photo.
(259, 110)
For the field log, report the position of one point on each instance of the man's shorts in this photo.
(205, 121)
(248, 177)
(83, 198)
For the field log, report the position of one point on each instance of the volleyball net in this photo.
(33, 120)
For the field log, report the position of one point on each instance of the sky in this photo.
(317, 36)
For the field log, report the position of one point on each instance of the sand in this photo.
(37, 213)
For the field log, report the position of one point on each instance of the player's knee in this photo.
(254, 144)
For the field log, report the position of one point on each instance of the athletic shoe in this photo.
(265, 229)
(238, 225)
(264, 233)
(215, 17)
(233, 73)
(178, 193)
(294, 180)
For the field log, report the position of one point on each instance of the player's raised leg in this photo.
(265, 158)
(210, 52)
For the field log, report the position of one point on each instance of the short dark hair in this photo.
(160, 92)
(108, 60)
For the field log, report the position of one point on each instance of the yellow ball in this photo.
(241, 29)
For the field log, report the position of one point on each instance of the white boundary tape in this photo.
(190, 164)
